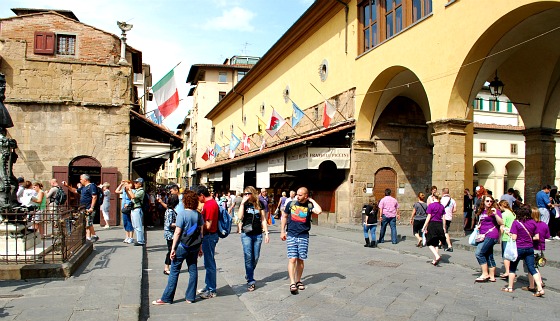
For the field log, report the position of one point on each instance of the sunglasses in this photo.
(489, 201)
(247, 193)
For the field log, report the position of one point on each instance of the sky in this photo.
(188, 32)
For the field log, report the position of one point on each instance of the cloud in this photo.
(235, 19)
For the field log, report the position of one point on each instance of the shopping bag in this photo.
(510, 252)
(472, 238)
(423, 239)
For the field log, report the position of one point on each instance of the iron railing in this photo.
(41, 237)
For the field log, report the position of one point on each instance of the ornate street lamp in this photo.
(496, 86)
(124, 28)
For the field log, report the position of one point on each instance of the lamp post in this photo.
(124, 28)
(496, 86)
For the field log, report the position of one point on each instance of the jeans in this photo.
(127, 223)
(136, 217)
(392, 221)
(527, 255)
(367, 229)
(545, 215)
(190, 256)
(485, 252)
(251, 252)
(209, 242)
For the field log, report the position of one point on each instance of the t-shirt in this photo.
(282, 201)
(187, 218)
(544, 234)
(299, 218)
(252, 216)
(449, 205)
(264, 200)
(421, 209)
(125, 198)
(436, 211)
(86, 194)
(367, 216)
(542, 199)
(106, 200)
(508, 218)
(509, 198)
(487, 222)
(138, 198)
(236, 203)
(467, 204)
(389, 205)
(524, 240)
(210, 212)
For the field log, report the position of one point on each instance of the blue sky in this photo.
(187, 31)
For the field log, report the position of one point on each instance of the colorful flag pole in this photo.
(276, 122)
(329, 109)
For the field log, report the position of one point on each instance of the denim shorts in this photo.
(297, 247)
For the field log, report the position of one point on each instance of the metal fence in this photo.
(40, 237)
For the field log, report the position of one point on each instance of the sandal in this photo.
(481, 279)
(165, 272)
(294, 289)
(539, 293)
(526, 288)
(507, 289)
(300, 285)
(159, 302)
(251, 287)
(504, 276)
(436, 262)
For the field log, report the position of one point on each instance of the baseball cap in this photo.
(20, 180)
(139, 180)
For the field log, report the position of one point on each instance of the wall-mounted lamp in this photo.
(496, 86)
(262, 109)
(350, 134)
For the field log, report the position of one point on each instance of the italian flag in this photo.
(166, 94)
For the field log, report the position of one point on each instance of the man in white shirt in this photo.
(450, 207)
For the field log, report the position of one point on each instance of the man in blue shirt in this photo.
(543, 203)
(88, 198)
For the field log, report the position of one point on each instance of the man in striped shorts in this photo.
(296, 223)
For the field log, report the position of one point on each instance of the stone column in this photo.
(540, 160)
(448, 163)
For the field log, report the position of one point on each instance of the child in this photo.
(369, 220)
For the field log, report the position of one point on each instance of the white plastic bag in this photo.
(424, 239)
(510, 253)
(472, 238)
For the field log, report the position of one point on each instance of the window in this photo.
(66, 45)
(513, 149)
(222, 95)
(492, 105)
(382, 19)
(478, 103)
(44, 43)
(240, 75)
(212, 133)
(483, 147)
(222, 77)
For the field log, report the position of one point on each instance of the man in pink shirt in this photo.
(388, 214)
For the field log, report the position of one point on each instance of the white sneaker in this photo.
(125, 240)
(556, 238)
(107, 226)
(547, 240)
(199, 291)
(130, 240)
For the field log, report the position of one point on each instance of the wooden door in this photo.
(385, 178)
(110, 175)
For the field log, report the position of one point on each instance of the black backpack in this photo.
(99, 198)
(60, 196)
(191, 238)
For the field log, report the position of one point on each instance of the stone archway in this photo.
(484, 175)
(514, 177)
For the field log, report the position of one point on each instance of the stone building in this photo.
(74, 106)
(403, 76)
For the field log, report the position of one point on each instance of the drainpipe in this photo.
(242, 101)
(149, 156)
(346, 28)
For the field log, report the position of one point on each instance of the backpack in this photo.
(99, 194)
(60, 196)
(224, 222)
(145, 203)
(191, 237)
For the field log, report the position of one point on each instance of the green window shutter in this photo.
(509, 107)
(497, 105)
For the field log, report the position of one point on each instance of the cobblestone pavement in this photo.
(346, 281)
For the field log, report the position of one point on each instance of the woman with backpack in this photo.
(418, 218)
(126, 209)
(252, 214)
(369, 220)
(188, 220)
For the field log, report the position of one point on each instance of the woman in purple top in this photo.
(434, 227)
(544, 234)
(524, 231)
(490, 219)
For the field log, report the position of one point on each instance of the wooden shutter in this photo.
(60, 173)
(110, 175)
(44, 42)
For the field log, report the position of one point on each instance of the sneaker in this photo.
(547, 240)
(130, 240)
(556, 238)
(449, 249)
(106, 226)
(200, 291)
(139, 244)
(95, 238)
(125, 240)
(208, 295)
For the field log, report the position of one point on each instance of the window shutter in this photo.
(44, 42)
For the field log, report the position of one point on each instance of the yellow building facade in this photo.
(403, 76)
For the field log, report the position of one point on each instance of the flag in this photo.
(211, 153)
(205, 155)
(328, 114)
(276, 122)
(297, 116)
(245, 143)
(155, 116)
(217, 149)
(233, 143)
(261, 127)
(263, 144)
(166, 94)
(231, 153)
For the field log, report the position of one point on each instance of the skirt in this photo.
(435, 234)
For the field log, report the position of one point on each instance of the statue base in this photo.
(15, 239)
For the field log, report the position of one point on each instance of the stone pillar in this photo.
(448, 163)
(540, 161)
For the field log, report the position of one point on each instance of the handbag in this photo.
(473, 236)
(540, 260)
(127, 208)
(481, 237)
(249, 227)
(510, 252)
